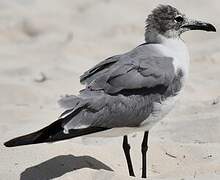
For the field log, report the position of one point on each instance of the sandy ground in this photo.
(60, 40)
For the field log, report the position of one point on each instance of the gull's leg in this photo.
(144, 148)
(126, 148)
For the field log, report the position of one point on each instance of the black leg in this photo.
(144, 148)
(126, 148)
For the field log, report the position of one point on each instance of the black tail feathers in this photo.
(53, 132)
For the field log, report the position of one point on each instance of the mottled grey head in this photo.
(171, 23)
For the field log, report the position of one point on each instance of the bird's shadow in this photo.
(60, 165)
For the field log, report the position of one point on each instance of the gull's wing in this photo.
(97, 70)
(124, 95)
(106, 103)
(143, 51)
(146, 73)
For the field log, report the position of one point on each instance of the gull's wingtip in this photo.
(9, 144)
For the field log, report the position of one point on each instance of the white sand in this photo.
(61, 39)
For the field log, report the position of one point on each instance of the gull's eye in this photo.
(178, 18)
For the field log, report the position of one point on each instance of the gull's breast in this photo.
(160, 109)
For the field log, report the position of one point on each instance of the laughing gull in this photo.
(129, 92)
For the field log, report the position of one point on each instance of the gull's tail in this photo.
(53, 132)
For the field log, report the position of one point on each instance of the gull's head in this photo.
(168, 21)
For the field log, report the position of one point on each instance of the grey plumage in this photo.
(120, 91)
(144, 66)
(131, 82)
(88, 76)
(68, 101)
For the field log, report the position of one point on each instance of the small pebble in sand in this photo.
(30, 29)
(41, 77)
(216, 101)
(134, 135)
(207, 157)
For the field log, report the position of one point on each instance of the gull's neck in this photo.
(152, 36)
(172, 43)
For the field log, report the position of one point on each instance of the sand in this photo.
(46, 45)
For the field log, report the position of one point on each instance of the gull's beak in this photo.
(198, 25)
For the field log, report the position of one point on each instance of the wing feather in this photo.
(144, 73)
(94, 72)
